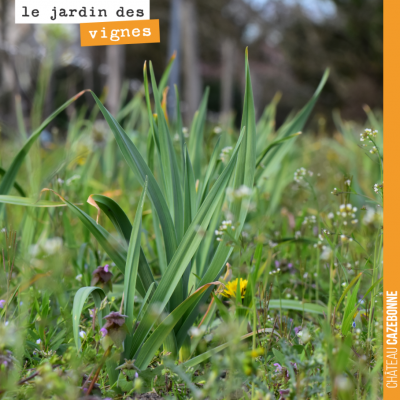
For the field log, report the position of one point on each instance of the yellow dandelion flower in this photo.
(231, 288)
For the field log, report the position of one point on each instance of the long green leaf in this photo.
(350, 309)
(131, 268)
(140, 168)
(246, 166)
(27, 202)
(244, 175)
(171, 175)
(114, 212)
(297, 306)
(172, 180)
(197, 134)
(155, 340)
(210, 171)
(272, 145)
(349, 286)
(186, 250)
(165, 76)
(79, 300)
(179, 126)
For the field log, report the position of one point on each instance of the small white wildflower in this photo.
(79, 278)
(217, 130)
(224, 153)
(342, 208)
(331, 215)
(38, 341)
(82, 334)
(374, 150)
(300, 174)
(348, 182)
(297, 235)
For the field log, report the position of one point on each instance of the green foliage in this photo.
(303, 318)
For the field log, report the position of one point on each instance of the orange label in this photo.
(391, 317)
(121, 32)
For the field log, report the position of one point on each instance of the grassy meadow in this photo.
(142, 258)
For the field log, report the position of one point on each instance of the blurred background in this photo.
(290, 44)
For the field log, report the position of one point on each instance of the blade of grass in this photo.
(131, 268)
(27, 202)
(79, 300)
(197, 135)
(164, 79)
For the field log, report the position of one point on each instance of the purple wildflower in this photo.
(290, 265)
(136, 375)
(277, 264)
(103, 331)
(297, 329)
(114, 319)
(101, 276)
(278, 367)
(115, 327)
(2, 302)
